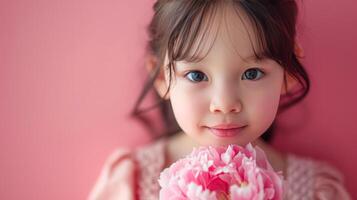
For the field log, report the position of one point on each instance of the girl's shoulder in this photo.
(116, 177)
(124, 166)
(314, 179)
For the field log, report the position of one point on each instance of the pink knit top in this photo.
(133, 175)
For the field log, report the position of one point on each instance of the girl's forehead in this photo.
(230, 35)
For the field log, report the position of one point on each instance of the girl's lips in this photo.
(226, 132)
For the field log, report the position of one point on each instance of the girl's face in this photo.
(224, 88)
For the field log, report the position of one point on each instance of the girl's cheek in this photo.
(194, 101)
(262, 106)
(189, 107)
(192, 94)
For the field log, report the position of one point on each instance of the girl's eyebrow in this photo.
(194, 63)
(252, 57)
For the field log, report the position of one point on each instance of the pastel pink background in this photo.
(71, 70)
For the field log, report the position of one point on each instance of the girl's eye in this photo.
(196, 76)
(252, 73)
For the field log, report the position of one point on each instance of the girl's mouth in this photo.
(228, 132)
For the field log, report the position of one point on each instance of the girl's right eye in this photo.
(196, 76)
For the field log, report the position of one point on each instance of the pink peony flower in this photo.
(217, 173)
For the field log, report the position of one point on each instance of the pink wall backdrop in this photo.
(71, 70)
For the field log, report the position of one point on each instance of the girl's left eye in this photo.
(253, 73)
(196, 76)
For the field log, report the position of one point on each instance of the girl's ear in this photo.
(160, 84)
(299, 51)
(290, 83)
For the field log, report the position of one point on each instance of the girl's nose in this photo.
(225, 101)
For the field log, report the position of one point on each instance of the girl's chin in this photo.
(224, 142)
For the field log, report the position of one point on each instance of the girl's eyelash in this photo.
(190, 72)
(186, 75)
(261, 71)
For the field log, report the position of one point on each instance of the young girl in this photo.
(220, 65)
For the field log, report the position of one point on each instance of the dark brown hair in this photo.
(177, 24)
